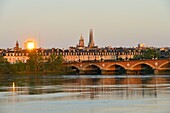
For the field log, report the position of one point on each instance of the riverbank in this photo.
(40, 73)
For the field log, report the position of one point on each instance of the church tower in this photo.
(81, 41)
(91, 40)
(17, 44)
(16, 48)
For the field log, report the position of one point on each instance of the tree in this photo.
(35, 62)
(150, 53)
(54, 62)
(19, 66)
(137, 57)
(5, 66)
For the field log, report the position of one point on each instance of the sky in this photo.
(59, 23)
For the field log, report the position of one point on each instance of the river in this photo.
(85, 94)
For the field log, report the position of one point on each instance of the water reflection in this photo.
(88, 86)
(19, 89)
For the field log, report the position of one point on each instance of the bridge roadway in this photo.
(134, 67)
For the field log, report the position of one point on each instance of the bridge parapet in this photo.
(134, 65)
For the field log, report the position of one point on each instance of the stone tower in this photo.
(91, 40)
(16, 48)
(17, 44)
(81, 41)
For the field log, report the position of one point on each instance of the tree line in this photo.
(35, 64)
(148, 54)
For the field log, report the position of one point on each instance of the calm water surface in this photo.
(85, 94)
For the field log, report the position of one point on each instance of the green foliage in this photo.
(54, 63)
(19, 66)
(120, 59)
(150, 54)
(138, 57)
(35, 62)
(51, 64)
(5, 67)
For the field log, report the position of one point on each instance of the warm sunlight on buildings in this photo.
(30, 45)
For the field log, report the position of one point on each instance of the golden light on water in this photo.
(13, 86)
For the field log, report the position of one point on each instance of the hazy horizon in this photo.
(116, 23)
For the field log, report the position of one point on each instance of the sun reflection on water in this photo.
(13, 86)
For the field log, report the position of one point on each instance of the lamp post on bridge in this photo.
(127, 70)
(156, 69)
(156, 73)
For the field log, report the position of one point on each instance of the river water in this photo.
(85, 94)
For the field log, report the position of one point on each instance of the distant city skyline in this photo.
(60, 23)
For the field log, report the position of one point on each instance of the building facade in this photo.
(80, 53)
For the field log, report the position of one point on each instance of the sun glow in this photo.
(30, 45)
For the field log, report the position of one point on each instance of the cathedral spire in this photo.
(81, 41)
(91, 40)
(17, 44)
(81, 37)
(16, 48)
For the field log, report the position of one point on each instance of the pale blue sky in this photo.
(60, 22)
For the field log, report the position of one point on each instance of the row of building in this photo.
(81, 52)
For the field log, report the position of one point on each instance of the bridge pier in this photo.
(90, 72)
(156, 72)
(133, 72)
(161, 72)
(128, 72)
(106, 72)
(81, 72)
(112, 72)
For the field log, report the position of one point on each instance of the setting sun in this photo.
(30, 45)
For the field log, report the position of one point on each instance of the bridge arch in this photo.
(142, 68)
(92, 65)
(75, 69)
(92, 69)
(166, 64)
(164, 68)
(144, 63)
(117, 69)
(116, 64)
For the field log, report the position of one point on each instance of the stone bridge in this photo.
(134, 67)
